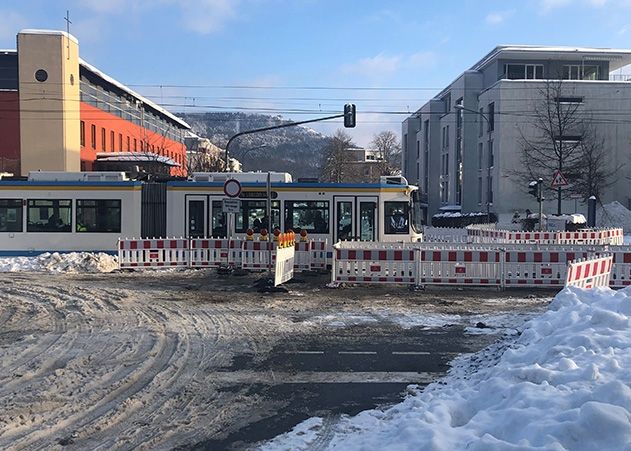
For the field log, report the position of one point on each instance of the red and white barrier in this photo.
(374, 265)
(153, 253)
(461, 267)
(209, 253)
(598, 237)
(544, 268)
(319, 255)
(589, 273)
(302, 256)
(256, 255)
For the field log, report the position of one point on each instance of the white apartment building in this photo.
(462, 146)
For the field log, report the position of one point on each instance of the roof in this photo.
(135, 156)
(133, 93)
(106, 77)
(617, 57)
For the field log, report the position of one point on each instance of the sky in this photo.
(305, 59)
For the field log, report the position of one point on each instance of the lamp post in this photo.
(488, 165)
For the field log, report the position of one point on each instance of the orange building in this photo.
(59, 113)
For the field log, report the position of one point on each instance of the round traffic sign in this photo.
(232, 188)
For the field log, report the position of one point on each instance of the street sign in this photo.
(231, 205)
(558, 179)
(232, 188)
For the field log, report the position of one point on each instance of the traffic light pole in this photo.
(540, 198)
(349, 121)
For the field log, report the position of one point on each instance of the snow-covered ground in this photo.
(57, 263)
(563, 383)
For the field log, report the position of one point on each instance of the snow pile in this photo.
(56, 262)
(563, 384)
(614, 214)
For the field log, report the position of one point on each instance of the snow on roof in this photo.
(135, 156)
(561, 381)
(133, 93)
(617, 57)
(49, 32)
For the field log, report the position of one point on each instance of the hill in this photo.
(297, 150)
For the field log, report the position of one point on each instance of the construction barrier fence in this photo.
(462, 265)
(599, 237)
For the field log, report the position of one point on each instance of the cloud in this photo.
(548, 5)
(383, 65)
(380, 64)
(207, 16)
(497, 17)
(200, 16)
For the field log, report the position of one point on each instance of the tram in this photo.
(63, 212)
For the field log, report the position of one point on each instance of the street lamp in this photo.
(488, 163)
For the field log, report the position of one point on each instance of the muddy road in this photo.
(190, 359)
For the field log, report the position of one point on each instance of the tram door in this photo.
(344, 219)
(367, 221)
(196, 216)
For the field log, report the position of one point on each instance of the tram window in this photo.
(49, 215)
(254, 215)
(396, 218)
(367, 221)
(98, 216)
(312, 216)
(218, 226)
(344, 220)
(10, 215)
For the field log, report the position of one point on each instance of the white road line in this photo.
(304, 352)
(322, 377)
(357, 352)
(411, 353)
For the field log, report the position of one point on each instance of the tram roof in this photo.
(190, 184)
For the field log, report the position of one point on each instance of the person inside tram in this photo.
(398, 222)
(257, 225)
(319, 224)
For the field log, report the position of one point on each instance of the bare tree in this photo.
(336, 166)
(201, 161)
(389, 147)
(562, 141)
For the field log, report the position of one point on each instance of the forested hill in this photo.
(297, 150)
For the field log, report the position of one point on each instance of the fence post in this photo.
(333, 264)
(502, 269)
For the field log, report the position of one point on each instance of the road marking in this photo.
(304, 352)
(322, 377)
(411, 353)
(357, 352)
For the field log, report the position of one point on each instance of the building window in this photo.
(490, 190)
(120, 142)
(128, 144)
(312, 216)
(580, 72)
(102, 216)
(396, 218)
(10, 215)
(112, 140)
(480, 155)
(445, 137)
(49, 215)
(103, 148)
(491, 157)
(82, 133)
(523, 71)
(142, 145)
(569, 100)
(135, 145)
(479, 190)
(491, 116)
(93, 136)
(481, 123)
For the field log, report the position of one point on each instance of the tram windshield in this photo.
(416, 213)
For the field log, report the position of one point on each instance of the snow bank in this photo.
(562, 384)
(55, 262)
(614, 214)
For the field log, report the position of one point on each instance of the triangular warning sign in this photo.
(558, 179)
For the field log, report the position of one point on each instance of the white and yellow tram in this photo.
(90, 211)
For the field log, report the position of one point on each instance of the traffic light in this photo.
(349, 115)
(535, 188)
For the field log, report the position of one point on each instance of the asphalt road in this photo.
(351, 370)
